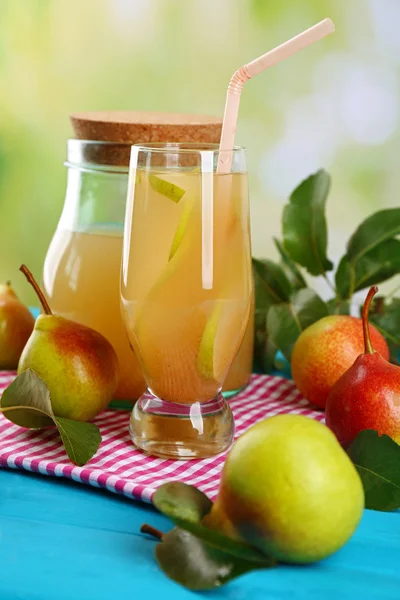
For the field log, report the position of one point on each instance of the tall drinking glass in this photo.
(186, 292)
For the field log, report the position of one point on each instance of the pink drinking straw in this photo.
(254, 67)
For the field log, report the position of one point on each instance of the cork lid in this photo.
(137, 127)
(123, 129)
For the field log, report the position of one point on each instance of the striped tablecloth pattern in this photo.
(119, 467)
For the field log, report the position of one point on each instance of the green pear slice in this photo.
(205, 357)
(182, 226)
(166, 188)
(221, 338)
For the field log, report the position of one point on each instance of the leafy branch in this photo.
(286, 304)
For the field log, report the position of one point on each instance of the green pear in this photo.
(77, 363)
(289, 489)
(16, 325)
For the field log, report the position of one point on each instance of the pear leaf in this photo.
(293, 272)
(377, 460)
(27, 403)
(196, 565)
(29, 391)
(176, 499)
(264, 349)
(185, 505)
(272, 280)
(382, 225)
(286, 321)
(337, 306)
(379, 264)
(224, 543)
(387, 320)
(304, 228)
(81, 440)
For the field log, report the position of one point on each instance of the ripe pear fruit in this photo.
(77, 363)
(16, 325)
(325, 350)
(289, 489)
(366, 396)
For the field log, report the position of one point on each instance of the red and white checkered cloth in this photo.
(119, 467)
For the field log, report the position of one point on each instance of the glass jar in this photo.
(81, 276)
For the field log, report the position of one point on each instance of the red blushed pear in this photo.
(367, 396)
(16, 325)
(78, 364)
(325, 350)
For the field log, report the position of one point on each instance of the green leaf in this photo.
(26, 402)
(379, 264)
(185, 505)
(262, 297)
(271, 286)
(291, 269)
(387, 321)
(377, 460)
(382, 225)
(196, 565)
(272, 280)
(224, 543)
(264, 349)
(304, 228)
(179, 500)
(194, 555)
(30, 391)
(337, 306)
(81, 440)
(286, 321)
(166, 188)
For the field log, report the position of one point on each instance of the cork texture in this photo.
(142, 127)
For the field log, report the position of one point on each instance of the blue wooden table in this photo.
(60, 540)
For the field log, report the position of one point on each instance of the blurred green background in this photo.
(334, 105)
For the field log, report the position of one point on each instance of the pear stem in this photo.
(37, 289)
(156, 533)
(368, 349)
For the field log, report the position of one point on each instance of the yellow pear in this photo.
(78, 365)
(289, 489)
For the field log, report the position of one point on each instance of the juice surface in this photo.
(185, 327)
(81, 280)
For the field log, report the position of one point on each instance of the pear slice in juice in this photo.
(205, 357)
(221, 338)
(166, 188)
(182, 225)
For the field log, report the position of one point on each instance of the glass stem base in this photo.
(181, 431)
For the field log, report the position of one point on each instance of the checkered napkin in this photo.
(119, 467)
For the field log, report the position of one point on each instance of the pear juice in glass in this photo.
(186, 292)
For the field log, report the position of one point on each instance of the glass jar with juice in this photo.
(81, 276)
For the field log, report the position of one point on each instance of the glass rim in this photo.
(184, 148)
